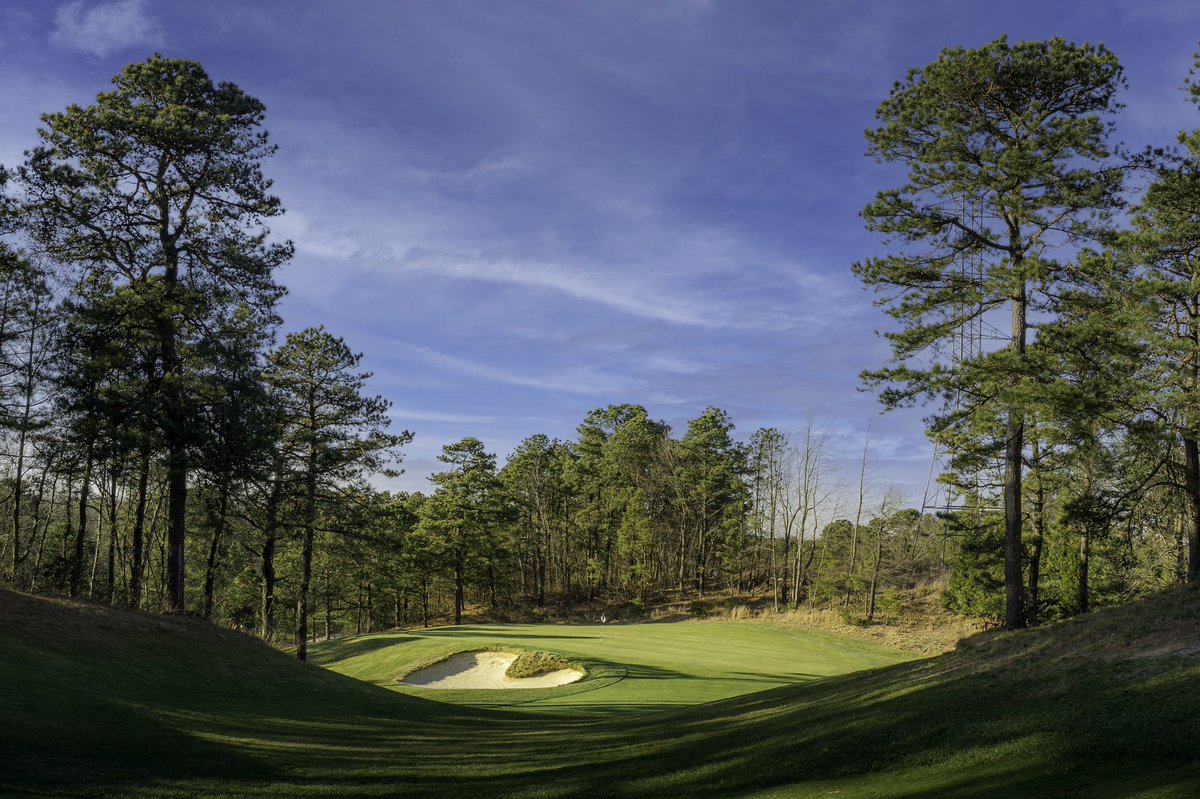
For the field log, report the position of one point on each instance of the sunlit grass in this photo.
(658, 666)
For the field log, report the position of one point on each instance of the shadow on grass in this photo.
(153, 714)
(500, 634)
(342, 648)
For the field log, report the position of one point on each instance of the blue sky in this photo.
(521, 211)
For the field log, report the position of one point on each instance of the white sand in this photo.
(484, 670)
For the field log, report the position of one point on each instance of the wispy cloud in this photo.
(712, 282)
(597, 285)
(405, 415)
(571, 380)
(105, 28)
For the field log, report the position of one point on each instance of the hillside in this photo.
(101, 702)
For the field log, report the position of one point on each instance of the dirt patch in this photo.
(487, 670)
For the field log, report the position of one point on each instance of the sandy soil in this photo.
(484, 670)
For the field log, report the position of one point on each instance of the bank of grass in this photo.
(534, 664)
(97, 702)
(912, 620)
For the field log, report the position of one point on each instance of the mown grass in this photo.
(643, 668)
(95, 702)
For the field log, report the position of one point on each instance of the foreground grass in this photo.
(96, 702)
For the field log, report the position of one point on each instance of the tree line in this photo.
(146, 404)
(164, 447)
(1083, 418)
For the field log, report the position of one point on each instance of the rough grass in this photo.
(98, 702)
(922, 626)
(533, 664)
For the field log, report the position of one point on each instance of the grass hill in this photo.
(101, 702)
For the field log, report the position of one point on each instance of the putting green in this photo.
(632, 669)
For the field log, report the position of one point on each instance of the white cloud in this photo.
(405, 415)
(592, 285)
(105, 28)
(570, 380)
(659, 287)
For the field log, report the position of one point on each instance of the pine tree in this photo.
(159, 185)
(1020, 132)
(334, 434)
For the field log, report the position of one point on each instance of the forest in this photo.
(165, 447)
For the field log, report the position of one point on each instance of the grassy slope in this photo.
(97, 701)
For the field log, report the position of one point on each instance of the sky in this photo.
(522, 211)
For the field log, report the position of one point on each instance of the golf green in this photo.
(632, 668)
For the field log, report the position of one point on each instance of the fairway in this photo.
(632, 668)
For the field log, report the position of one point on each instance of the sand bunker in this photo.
(484, 670)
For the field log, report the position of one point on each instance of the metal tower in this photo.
(948, 492)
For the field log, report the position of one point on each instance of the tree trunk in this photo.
(329, 616)
(110, 589)
(1084, 556)
(862, 490)
(1192, 454)
(1039, 533)
(267, 612)
(543, 556)
(682, 555)
(41, 544)
(492, 586)
(174, 418)
(18, 495)
(214, 550)
(139, 524)
(268, 560)
(1014, 609)
(370, 606)
(784, 582)
(306, 554)
(1181, 548)
(70, 515)
(81, 532)
(99, 537)
(177, 467)
(772, 566)
(797, 566)
(23, 436)
(875, 575)
(458, 589)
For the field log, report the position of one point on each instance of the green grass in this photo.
(96, 702)
(643, 668)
